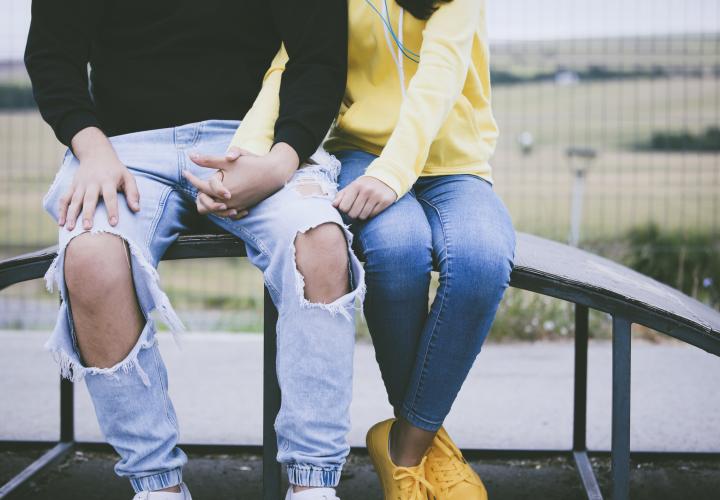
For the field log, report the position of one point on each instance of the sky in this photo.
(507, 19)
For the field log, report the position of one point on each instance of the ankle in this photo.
(298, 489)
(402, 456)
(172, 489)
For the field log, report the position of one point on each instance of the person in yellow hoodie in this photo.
(414, 135)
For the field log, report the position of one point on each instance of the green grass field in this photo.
(623, 53)
(626, 187)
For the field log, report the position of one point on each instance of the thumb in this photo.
(215, 162)
(234, 152)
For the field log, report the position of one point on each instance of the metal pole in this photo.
(620, 454)
(67, 411)
(581, 369)
(55, 453)
(576, 209)
(582, 461)
(271, 403)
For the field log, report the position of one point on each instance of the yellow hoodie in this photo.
(438, 122)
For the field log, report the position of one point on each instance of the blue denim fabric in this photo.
(131, 398)
(457, 224)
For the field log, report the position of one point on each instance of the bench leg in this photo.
(271, 403)
(582, 461)
(67, 438)
(581, 368)
(620, 454)
(67, 411)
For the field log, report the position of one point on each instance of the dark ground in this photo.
(88, 475)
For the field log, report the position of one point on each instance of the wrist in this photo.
(284, 161)
(90, 143)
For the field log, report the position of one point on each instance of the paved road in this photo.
(517, 396)
(89, 475)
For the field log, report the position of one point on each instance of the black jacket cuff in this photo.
(299, 138)
(74, 123)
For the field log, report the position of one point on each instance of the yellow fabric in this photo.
(257, 130)
(451, 476)
(403, 483)
(444, 123)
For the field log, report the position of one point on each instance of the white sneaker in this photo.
(312, 494)
(164, 495)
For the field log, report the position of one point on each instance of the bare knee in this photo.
(94, 265)
(106, 314)
(322, 258)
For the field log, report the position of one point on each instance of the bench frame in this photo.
(623, 312)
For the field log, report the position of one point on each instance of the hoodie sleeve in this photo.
(445, 56)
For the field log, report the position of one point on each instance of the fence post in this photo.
(620, 454)
(271, 402)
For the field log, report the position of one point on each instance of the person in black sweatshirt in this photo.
(146, 95)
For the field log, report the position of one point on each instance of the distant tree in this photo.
(16, 97)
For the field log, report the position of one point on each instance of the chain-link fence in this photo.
(610, 117)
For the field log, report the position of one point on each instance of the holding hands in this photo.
(244, 179)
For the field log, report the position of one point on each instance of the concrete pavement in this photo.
(517, 395)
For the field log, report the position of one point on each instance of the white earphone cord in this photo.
(398, 59)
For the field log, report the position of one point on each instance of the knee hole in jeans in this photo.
(322, 263)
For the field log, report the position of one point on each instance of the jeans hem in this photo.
(311, 475)
(418, 421)
(156, 482)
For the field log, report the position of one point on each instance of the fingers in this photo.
(90, 200)
(206, 204)
(63, 206)
(216, 162)
(201, 185)
(367, 210)
(232, 214)
(358, 206)
(132, 195)
(379, 208)
(109, 194)
(240, 215)
(218, 188)
(74, 208)
(338, 198)
(234, 152)
(346, 198)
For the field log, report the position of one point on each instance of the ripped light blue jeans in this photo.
(315, 341)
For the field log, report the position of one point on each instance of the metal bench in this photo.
(542, 266)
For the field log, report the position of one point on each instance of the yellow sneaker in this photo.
(451, 476)
(398, 483)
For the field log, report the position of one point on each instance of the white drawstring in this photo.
(399, 57)
(387, 33)
(401, 69)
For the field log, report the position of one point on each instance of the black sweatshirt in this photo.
(162, 63)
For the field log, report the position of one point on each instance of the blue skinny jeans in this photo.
(459, 226)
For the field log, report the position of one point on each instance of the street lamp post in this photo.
(580, 160)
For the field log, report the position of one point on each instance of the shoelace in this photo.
(451, 467)
(413, 484)
(143, 495)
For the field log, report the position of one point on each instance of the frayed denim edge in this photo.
(346, 303)
(71, 368)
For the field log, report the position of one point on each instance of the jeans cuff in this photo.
(418, 421)
(311, 475)
(157, 481)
